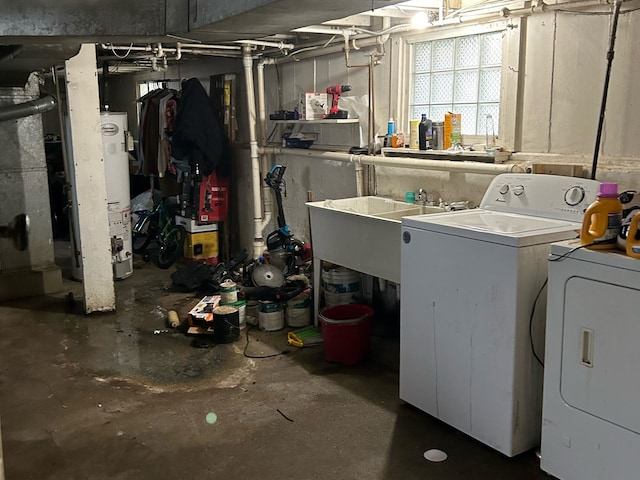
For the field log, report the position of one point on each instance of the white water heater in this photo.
(116, 165)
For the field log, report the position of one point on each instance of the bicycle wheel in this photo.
(170, 247)
(144, 232)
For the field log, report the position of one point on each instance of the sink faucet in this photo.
(421, 197)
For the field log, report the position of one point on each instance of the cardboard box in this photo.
(202, 314)
(452, 129)
(314, 106)
(202, 247)
(192, 226)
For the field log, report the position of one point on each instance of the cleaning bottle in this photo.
(632, 244)
(425, 133)
(603, 219)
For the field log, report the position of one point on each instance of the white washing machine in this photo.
(469, 282)
(591, 408)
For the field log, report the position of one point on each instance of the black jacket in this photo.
(198, 136)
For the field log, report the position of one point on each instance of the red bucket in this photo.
(346, 332)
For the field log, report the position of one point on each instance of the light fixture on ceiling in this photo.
(419, 21)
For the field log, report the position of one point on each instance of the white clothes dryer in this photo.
(591, 408)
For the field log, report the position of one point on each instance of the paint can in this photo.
(270, 316)
(251, 317)
(226, 324)
(298, 311)
(340, 286)
(228, 293)
(241, 305)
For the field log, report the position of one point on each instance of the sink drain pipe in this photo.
(258, 240)
(400, 162)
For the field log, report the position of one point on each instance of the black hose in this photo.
(610, 54)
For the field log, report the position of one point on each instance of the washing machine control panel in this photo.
(550, 196)
(574, 196)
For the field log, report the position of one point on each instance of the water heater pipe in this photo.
(258, 240)
(400, 162)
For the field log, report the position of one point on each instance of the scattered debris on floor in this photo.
(305, 337)
(435, 455)
(280, 412)
(211, 418)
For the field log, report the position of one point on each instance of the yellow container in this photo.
(603, 219)
(201, 246)
(452, 129)
(631, 236)
(413, 134)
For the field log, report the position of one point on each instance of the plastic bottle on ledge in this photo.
(391, 127)
(425, 133)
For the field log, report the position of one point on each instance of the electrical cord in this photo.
(533, 311)
(283, 352)
(535, 302)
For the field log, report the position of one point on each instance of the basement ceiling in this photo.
(36, 34)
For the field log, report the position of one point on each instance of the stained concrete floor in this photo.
(103, 397)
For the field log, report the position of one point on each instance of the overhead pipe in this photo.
(32, 107)
(258, 240)
(262, 43)
(400, 162)
(356, 44)
(149, 48)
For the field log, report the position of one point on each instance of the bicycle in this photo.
(156, 236)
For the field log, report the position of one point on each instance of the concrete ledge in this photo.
(30, 283)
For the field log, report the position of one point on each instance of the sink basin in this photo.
(362, 233)
(416, 210)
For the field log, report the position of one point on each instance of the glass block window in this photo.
(460, 75)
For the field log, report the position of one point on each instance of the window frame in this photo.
(508, 89)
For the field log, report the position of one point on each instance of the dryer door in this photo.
(600, 352)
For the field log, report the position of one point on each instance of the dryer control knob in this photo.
(504, 189)
(518, 190)
(574, 196)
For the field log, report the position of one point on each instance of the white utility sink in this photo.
(361, 233)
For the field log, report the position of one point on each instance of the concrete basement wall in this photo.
(563, 66)
(564, 69)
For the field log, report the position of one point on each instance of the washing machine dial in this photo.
(504, 188)
(574, 196)
(518, 190)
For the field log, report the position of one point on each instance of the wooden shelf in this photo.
(476, 156)
(322, 121)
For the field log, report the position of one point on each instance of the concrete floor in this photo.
(102, 397)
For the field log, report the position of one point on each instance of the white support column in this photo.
(89, 181)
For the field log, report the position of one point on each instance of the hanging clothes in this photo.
(198, 136)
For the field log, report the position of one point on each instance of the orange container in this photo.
(603, 219)
(631, 237)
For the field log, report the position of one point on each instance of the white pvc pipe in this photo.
(359, 179)
(262, 43)
(401, 162)
(149, 48)
(258, 241)
(262, 122)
